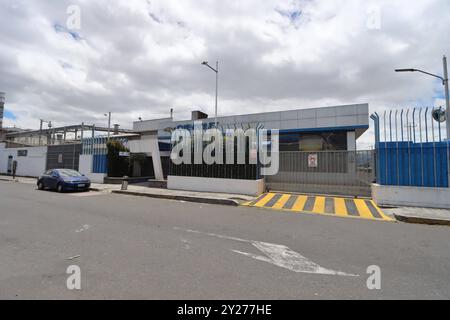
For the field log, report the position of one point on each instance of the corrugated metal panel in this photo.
(63, 156)
(413, 164)
(100, 163)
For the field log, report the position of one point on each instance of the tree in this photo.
(118, 166)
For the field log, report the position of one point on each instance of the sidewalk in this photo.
(190, 196)
(18, 179)
(139, 190)
(405, 214)
(420, 215)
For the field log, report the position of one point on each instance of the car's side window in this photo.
(48, 172)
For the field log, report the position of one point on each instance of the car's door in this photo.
(44, 178)
(52, 179)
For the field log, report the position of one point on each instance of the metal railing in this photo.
(325, 172)
(245, 171)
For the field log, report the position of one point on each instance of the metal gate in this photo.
(348, 173)
(65, 156)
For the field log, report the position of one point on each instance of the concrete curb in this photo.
(421, 220)
(227, 202)
(10, 180)
(98, 189)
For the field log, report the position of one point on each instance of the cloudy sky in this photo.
(139, 58)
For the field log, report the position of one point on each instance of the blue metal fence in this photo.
(413, 164)
(96, 147)
(410, 148)
(100, 163)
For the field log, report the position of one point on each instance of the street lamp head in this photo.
(405, 70)
(205, 63)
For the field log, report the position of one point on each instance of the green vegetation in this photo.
(118, 166)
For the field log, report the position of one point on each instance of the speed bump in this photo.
(324, 205)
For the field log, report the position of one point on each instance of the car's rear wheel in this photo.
(59, 187)
(40, 185)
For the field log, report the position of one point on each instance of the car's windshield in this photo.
(69, 173)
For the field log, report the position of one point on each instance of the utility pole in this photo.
(40, 132)
(109, 122)
(40, 128)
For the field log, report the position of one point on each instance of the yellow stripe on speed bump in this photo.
(383, 216)
(300, 203)
(319, 205)
(341, 207)
(363, 210)
(280, 203)
(261, 203)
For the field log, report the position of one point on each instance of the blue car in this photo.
(63, 180)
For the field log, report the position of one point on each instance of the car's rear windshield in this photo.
(69, 173)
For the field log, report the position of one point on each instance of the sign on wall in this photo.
(312, 160)
(22, 153)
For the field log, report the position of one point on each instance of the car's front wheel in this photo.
(59, 187)
(40, 185)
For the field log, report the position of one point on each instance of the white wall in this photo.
(32, 165)
(234, 186)
(85, 168)
(351, 140)
(411, 196)
(149, 144)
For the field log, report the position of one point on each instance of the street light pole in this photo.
(447, 98)
(216, 70)
(217, 89)
(445, 83)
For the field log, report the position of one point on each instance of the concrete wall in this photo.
(31, 165)
(411, 196)
(86, 169)
(234, 186)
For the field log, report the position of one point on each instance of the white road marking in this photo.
(186, 243)
(83, 228)
(278, 255)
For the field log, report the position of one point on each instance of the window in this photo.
(313, 141)
(69, 173)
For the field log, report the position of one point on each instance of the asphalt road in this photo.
(141, 248)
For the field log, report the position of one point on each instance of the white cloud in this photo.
(141, 58)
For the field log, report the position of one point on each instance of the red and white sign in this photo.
(312, 160)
